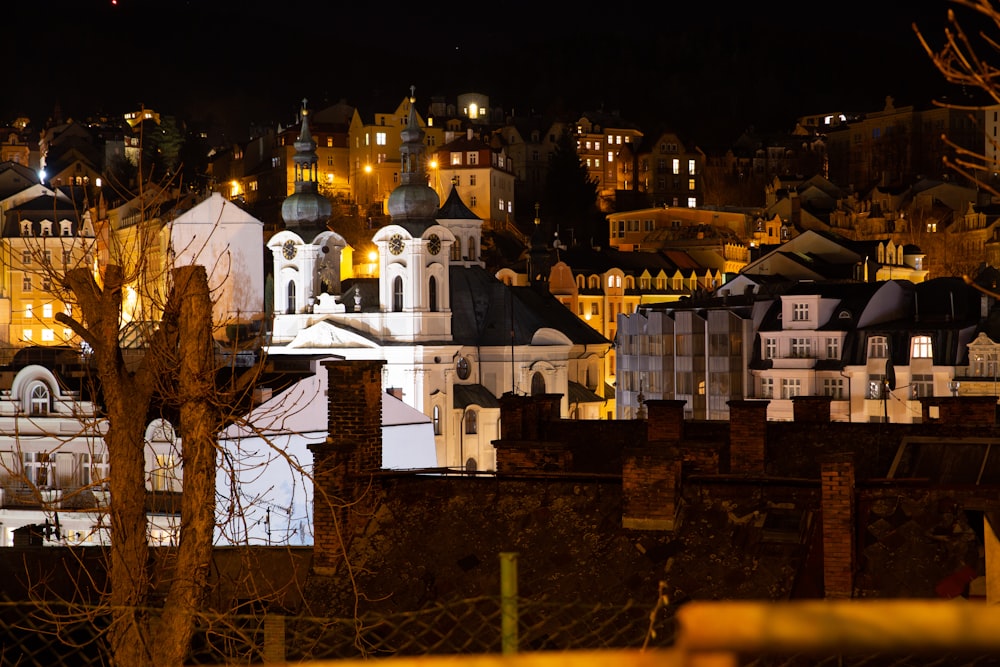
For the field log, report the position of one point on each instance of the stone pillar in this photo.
(837, 498)
(747, 436)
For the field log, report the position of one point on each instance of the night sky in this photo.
(700, 68)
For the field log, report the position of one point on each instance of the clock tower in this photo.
(414, 250)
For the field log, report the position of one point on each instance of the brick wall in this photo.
(965, 410)
(811, 409)
(342, 465)
(837, 494)
(747, 436)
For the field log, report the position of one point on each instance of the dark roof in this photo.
(455, 209)
(484, 310)
(580, 394)
(465, 395)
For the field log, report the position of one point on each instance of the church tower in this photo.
(414, 249)
(306, 272)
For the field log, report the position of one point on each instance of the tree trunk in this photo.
(199, 425)
(126, 398)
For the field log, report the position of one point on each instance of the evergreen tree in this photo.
(569, 203)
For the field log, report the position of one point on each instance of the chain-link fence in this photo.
(37, 634)
(47, 634)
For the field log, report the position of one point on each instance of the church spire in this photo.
(306, 208)
(413, 203)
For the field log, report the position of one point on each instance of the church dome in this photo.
(413, 201)
(305, 209)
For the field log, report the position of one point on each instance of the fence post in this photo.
(274, 638)
(508, 602)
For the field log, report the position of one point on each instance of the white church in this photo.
(453, 337)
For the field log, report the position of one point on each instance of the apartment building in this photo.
(875, 349)
(54, 462)
(482, 174)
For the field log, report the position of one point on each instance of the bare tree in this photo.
(967, 59)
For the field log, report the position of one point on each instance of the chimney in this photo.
(651, 474)
(664, 420)
(747, 436)
(342, 465)
(811, 409)
(837, 503)
(651, 487)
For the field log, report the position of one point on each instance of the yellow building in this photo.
(42, 239)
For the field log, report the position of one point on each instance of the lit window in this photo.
(921, 347)
(26, 334)
(876, 386)
(692, 202)
(47, 310)
(48, 335)
(691, 167)
(456, 158)
(28, 311)
(691, 185)
(67, 334)
(878, 348)
(676, 166)
(380, 138)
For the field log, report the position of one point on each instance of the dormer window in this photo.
(39, 399)
(800, 312)
(65, 228)
(878, 347)
(25, 228)
(921, 347)
(46, 228)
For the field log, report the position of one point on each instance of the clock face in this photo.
(434, 244)
(395, 244)
(288, 249)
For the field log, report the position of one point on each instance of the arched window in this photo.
(39, 399)
(436, 418)
(290, 294)
(397, 294)
(537, 384)
(456, 249)
(471, 422)
(432, 294)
